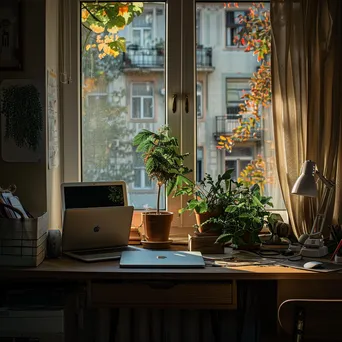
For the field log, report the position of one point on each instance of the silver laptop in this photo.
(96, 220)
(94, 234)
(161, 259)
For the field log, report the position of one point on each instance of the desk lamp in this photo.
(313, 245)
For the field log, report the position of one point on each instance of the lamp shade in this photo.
(306, 184)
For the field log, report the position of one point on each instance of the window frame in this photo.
(180, 79)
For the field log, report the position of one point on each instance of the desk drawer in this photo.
(164, 294)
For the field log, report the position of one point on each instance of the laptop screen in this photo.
(93, 195)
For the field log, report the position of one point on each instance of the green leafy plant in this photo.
(23, 114)
(244, 216)
(209, 194)
(162, 159)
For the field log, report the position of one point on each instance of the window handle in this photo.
(186, 103)
(174, 103)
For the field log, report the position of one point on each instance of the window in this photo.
(134, 100)
(199, 99)
(142, 30)
(142, 101)
(235, 88)
(233, 26)
(238, 159)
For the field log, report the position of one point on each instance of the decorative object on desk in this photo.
(21, 121)
(279, 230)
(10, 33)
(244, 217)
(54, 243)
(209, 199)
(313, 244)
(205, 244)
(165, 164)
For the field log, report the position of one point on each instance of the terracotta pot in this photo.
(157, 226)
(208, 227)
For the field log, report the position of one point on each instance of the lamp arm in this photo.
(322, 213)
(328, 183)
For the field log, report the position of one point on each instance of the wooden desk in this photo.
(106, 285)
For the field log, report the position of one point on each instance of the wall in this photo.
(30, 178)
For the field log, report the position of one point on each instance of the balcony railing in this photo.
(225, 125)
(138, 57)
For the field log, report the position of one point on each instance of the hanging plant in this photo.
(23, 114)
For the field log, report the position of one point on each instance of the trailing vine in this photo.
(23, 115)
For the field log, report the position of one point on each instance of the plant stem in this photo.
(158, 196)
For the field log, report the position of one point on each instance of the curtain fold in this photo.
(307, 99)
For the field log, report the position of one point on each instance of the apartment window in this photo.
(142, 29)
(238, 159)
(233, 25)
(235, 88)
(141, 179)
(142, 100)
(199, 99)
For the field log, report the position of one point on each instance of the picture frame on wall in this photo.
(10, 35)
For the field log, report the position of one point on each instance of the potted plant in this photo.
(164, 164)
(210, 198)
(244, 217)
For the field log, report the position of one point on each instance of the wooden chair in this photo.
(311, 319)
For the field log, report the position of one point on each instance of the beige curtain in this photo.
(307, 99)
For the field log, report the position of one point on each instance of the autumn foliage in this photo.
(255, 37)
(106, 19)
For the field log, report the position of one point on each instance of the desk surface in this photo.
(69, 269)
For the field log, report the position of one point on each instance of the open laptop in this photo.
(161, 259)
(96, 220)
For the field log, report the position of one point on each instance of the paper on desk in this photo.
(241, 263)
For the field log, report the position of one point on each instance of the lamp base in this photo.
(314, 252)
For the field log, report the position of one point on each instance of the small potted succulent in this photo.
(244, 217)
(209, 199)
(165, 164)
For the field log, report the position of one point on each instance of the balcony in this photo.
(225, 125)
(137, 57)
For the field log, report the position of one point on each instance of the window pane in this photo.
(116, 90)
(136, 107)
(148, 107)
(137, 178)
(137, 37)
(225, 81)
(142, 89)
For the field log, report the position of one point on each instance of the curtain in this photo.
(307, 99)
